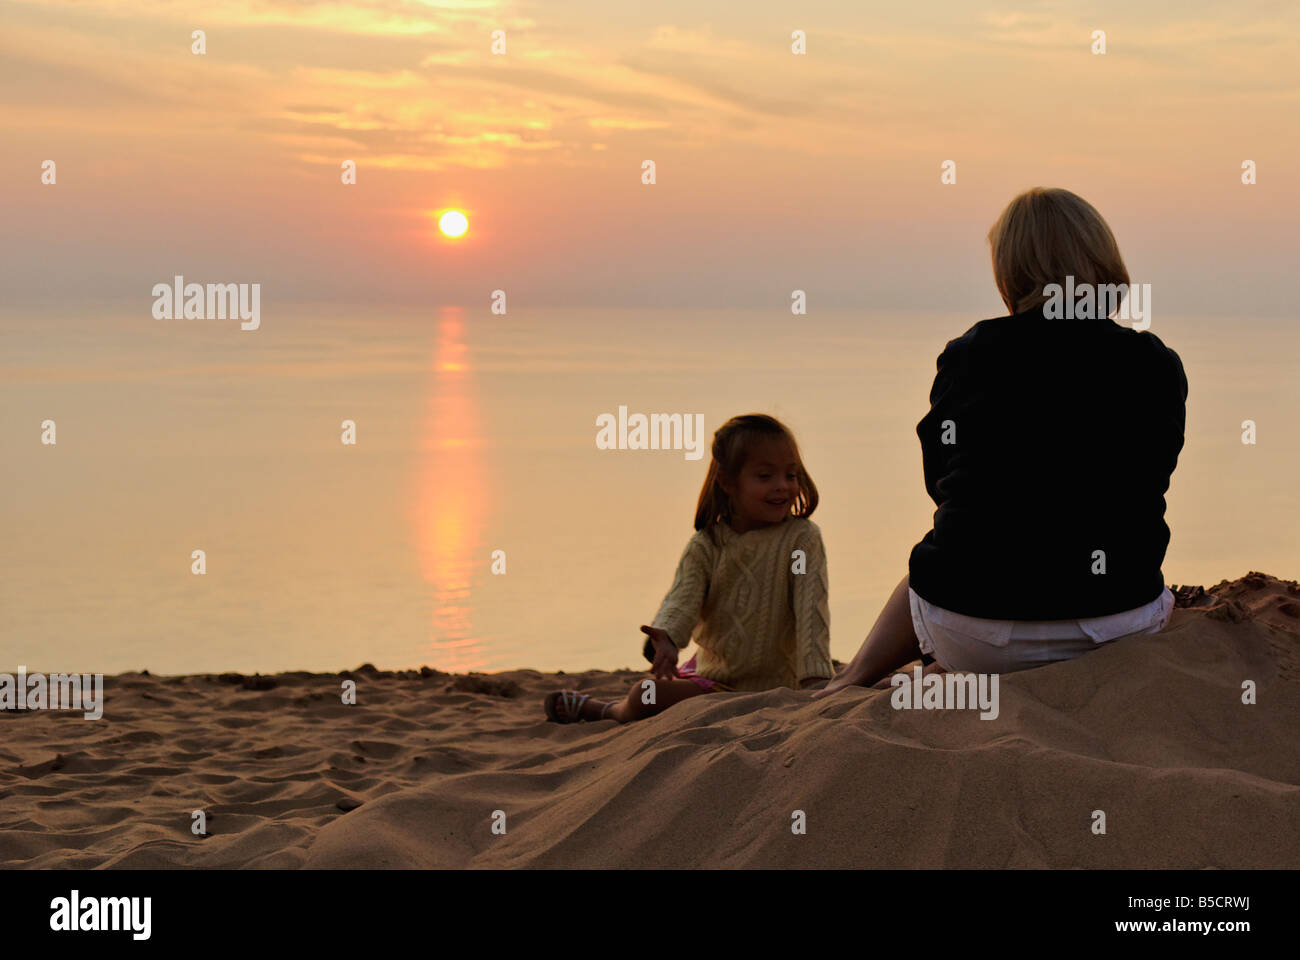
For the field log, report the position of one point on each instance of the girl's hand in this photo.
(665, 664)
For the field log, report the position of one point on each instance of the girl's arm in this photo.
(681, 608)
(810, 598)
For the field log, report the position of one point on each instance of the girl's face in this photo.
(766, 487)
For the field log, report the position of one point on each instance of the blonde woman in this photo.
(1047, 450)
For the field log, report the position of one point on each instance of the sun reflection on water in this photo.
(452, 501)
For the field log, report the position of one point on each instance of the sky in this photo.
(774, 171)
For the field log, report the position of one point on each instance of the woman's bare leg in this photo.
(890, 644)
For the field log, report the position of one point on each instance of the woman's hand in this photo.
(665, 664)
(845, 678)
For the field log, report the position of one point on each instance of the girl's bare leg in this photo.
(890, 644)
(667, 692)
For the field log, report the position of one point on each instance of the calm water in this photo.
(477, 433)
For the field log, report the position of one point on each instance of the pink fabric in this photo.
(687, 672)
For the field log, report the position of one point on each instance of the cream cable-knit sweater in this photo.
(758, 625)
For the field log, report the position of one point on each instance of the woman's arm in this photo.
(946, 403)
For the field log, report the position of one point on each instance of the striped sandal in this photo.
(565, 706)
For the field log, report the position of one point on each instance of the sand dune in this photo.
(1150, 730)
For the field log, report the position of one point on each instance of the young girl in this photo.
(750, 587)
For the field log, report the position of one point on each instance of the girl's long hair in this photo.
(732, 444)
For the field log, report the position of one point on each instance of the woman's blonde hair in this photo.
(732, 444)
(1045, 235)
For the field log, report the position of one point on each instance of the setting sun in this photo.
(453, 223)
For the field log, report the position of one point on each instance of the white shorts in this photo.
(973, 644)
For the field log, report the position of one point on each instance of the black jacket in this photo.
(1066, 433)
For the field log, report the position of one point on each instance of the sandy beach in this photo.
(1151, 730)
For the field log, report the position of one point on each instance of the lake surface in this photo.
(476, 433)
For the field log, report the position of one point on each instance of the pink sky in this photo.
(775, 172)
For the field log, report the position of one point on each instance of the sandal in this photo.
(565, 706)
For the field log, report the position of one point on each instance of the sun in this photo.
(453, 223)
